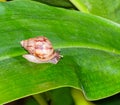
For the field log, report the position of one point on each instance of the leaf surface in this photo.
(58, 3)
(108, 9)
(90, 46)
(61, 96)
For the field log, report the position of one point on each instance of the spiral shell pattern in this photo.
(40, 47)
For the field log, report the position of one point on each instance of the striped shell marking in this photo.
(40, 50)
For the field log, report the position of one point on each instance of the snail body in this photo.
(40, 50)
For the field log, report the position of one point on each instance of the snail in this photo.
(40, 50)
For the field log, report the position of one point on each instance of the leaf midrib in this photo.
(63, 47)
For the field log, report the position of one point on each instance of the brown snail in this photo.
(40, 50)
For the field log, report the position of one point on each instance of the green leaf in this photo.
(113, 100)
(109, 9)
(58, 3)
(30, 101)
(61, 96)
(90, 46)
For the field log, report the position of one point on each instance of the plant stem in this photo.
(40, 99)
(79, 98)
(79, 5)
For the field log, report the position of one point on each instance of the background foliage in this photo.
(89, 44)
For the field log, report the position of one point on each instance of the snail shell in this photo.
(40, 50)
